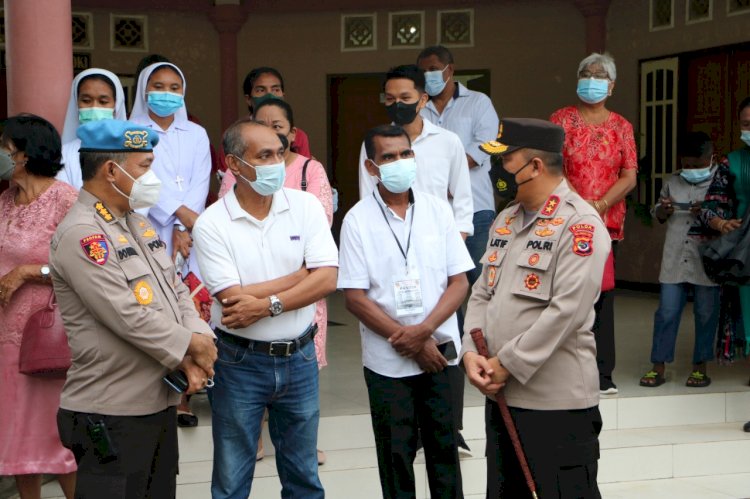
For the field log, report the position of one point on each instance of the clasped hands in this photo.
(487, 375)
(198, 363)
(416, 342)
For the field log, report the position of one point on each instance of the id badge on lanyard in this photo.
(407, 291)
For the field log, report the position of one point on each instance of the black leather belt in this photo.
(272, 348)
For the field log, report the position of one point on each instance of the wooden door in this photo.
(354, 106)
(715, 82)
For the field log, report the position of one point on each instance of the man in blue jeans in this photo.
(471, 116)
(267, 255)
(681, 267)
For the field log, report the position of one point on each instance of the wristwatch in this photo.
(44, 270)
(180, 227)
(276, 306)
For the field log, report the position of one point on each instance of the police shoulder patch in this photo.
(583, 235)
(95, 248)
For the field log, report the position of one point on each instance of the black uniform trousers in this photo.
(146, 455)
(561, 447)
(400, 407)
(604, 329)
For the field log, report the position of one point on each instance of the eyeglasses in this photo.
(601, 75)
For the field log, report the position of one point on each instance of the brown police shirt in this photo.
(535, 301)
(128, 317)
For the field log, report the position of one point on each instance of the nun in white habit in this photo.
(182, 159)
(96, 94)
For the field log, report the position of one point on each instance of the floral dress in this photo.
(594, 155)
(29, 441)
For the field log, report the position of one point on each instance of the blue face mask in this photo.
(164, 103)
(696, 175)
(745, 137)
(87, 114)
(268, 178)
(592, 90)
(434, 83)
(398, 176)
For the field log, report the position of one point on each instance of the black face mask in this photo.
(402, 114)
(505, 181)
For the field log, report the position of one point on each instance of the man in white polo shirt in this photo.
(442, 169)
(403, 267)
(267, 255)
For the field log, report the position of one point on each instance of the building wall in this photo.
(531, 75)
(189, 40)
(630, 41)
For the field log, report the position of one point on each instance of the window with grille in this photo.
(83, 30)
(358, 32)
(658, 144)
(128, 33)
(406, 30)
(738, 6)
(456, 28)
(661, 14)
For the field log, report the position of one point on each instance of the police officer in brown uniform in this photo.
(535, 304)
(129, 320)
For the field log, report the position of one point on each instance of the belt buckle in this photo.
(283, 353)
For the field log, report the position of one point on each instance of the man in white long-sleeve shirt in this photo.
(442, 169)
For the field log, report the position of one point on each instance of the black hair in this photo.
(443, 54)
(98, 77)
(382, 131)
(745, 103)
(247, 85)
(695, 145)
(38, 139)
(91, 161)
(282, 104)
(147, 61)
(165, 66)
(553, 161)
(409, 72)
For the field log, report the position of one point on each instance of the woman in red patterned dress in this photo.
(601, 164)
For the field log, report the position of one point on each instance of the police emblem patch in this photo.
(95, 248)
(492, 258)
(532, 282)
(122, 239)
(149, 233)
(136, 139)
(582, 239)
(545, 232)
(143, 293)
(502, 231)
(491, 274)
(534, 259)
(557, 221)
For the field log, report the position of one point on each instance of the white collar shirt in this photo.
(442, 170)
(472, 117)
(235, 249)
(370, 258)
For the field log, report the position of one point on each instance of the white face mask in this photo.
(145, 190)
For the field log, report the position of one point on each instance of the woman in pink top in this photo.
(601, 164)
(30, 211)
(303, 174)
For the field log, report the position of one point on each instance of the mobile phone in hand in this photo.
(448, 350)
(177, 381)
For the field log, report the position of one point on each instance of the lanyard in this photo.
(408, 239)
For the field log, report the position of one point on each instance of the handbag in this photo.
(44, 344)
(199, 294)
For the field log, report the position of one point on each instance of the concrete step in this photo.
(679, 443)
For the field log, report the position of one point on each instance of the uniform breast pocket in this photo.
(141, 282)
(534, 275)
(491, 262)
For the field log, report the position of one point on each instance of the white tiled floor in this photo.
(710, 458)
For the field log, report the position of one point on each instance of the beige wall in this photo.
(532, 75)
(188, 40)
